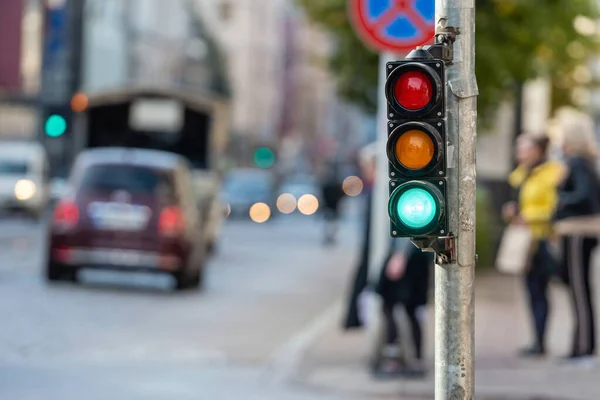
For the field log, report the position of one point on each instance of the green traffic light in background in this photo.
(416, 208)
(264, 157)
(55, 126)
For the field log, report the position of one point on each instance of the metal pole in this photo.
(380, 237)
(76, 32)
(518, 126)
(454, 282)
(129, 32)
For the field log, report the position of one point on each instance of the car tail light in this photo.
(62, 254)
(169, 262)
(66, 214)
(171, 222)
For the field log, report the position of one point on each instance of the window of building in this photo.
(225, 10)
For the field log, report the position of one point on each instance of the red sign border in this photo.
(359, 22)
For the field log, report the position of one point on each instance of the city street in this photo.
(270, 290)
(266, 327)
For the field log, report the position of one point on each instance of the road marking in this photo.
(133, 356)
(287, 359)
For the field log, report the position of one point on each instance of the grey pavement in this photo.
(270, 290)
(337, 361)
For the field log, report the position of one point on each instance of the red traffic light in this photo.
(413, 90)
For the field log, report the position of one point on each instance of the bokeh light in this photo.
(582, 74)
(585, 26)
(581, 96)
(352, 186)
(286, 203)
(260, 212)
(308, 204)
(24, 189)
(576, 50)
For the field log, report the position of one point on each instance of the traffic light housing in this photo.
(416, 146)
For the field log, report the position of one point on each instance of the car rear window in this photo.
(8, 167)
(135, 180)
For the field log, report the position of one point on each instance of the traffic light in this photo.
(264, 157)
(416, 146)
(55, 126)
(56, 121)
(79, 102)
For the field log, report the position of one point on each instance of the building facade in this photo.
(253, 36)
(20, 67)
(140, 42)
(283, 92)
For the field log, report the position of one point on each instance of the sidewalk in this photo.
(336, 362)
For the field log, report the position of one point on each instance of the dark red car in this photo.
(128, 210)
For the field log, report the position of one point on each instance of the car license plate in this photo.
(118, 216)
(124, 258)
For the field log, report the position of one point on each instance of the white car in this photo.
(24, 172)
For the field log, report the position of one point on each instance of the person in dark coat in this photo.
(579, 199)
(360, 281)
(404, 290)
(332, 193)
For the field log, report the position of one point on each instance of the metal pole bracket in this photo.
(445, 36)
(444, 248)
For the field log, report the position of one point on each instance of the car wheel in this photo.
(197, 278)
(184, 279)
(57, 272)
(35, 215)
(181, 280)
(189, 278)
(54, 271)
(211, 248)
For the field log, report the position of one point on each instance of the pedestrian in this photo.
(333, 193)
(579, 200)
(404, 290)
(535, 181)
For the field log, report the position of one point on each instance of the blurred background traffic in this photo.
(224, 148)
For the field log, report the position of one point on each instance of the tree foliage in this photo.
(516, 40)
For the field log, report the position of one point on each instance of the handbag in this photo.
(516, 249)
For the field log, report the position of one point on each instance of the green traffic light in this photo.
(264, 157)
(55, 126)
(416, 208)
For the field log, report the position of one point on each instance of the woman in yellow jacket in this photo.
(536, 179)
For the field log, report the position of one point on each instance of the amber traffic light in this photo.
(79, 102)
(414, 149)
